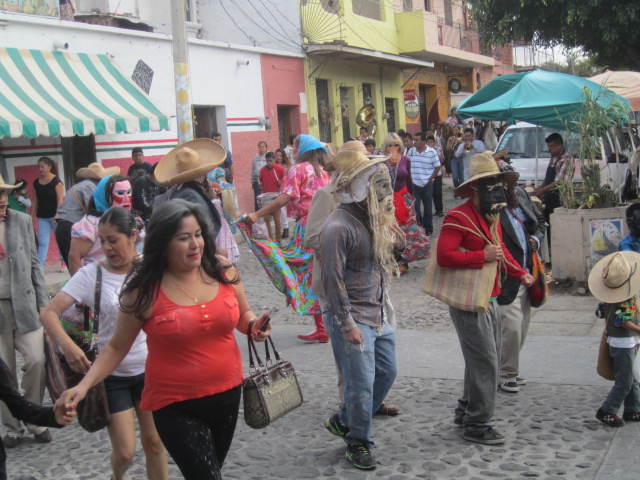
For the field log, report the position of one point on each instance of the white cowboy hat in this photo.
(189, 161)
(616, 278)
(96, 171)
(6, 186)
(482, 165)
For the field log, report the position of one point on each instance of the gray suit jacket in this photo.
(28, 287)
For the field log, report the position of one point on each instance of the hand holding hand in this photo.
(70, 398)
(64, 413)
(492, 253)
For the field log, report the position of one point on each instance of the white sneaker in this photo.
(511, 387)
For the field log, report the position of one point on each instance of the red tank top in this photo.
(192, 349)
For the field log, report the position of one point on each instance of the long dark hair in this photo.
(51, 163)
(146, 276)
(286, 163)
(122, 220)
(108, 188)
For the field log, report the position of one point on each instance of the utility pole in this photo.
(181, 73)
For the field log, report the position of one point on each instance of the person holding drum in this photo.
(271, 176)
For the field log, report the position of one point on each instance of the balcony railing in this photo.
(457, 37)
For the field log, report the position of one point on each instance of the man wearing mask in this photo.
(23, 291)
(356, 256)
(462, 244)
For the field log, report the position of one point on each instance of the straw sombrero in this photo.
(354, 146)
(6, 186)
(96, 171)
(500, 153)
(482, 165)
(349, 163)
(616, 278)
(189, 161)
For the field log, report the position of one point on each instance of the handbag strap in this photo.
(253, 351)
(97, 296)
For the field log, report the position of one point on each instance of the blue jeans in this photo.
(625, 389)
(369, 371)
(457, 171)
(45, 227)
(423, 202)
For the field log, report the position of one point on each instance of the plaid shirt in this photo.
(563, 164)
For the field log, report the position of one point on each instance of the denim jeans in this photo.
(625, 389)
(423, 203)
(457, 171)
(256, 191)
(45, 226)
(369, 371)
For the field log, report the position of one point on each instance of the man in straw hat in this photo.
(184, 169)
(615, 281)
(523, 230)
(356, 255)
(471, 236)
(76, 203)
(23, 291)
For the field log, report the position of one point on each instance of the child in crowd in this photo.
(271, 176)
(18, 199)
(615, 281)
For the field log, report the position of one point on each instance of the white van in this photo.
(619, 156)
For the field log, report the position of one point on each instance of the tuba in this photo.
(366, 117)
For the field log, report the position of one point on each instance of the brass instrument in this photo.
(366, 117)
(468, 147)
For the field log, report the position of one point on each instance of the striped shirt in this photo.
(422, 165)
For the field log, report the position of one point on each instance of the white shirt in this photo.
(82, 288)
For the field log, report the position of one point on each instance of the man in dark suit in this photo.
(523, 229)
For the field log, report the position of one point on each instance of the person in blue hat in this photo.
(290, 267)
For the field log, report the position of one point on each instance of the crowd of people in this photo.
(154, 253)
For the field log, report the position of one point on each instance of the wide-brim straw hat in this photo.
(95, 171)
(616, 277)
(354, 146)
(6, 186)
(500, 153)
(189, 161)
(349, 163)
(482, 165)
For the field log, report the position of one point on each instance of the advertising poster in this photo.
(46, 8)
(605, 236)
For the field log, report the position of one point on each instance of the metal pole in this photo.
(537, 155)
(182, 76)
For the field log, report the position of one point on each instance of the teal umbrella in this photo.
(538, 96)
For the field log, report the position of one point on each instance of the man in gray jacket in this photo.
(22, 289)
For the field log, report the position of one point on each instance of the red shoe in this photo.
(315, 337)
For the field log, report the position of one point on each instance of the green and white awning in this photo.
(64, 94)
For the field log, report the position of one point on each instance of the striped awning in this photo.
(54, 94)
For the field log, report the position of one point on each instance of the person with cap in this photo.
(470, 237)
(615, 281)
(523, 230)
(23, 291)
(184, 170)
(303, 179)
(76, 203)
(145, 189)
(111, 191)
(631, 242)
(356, 257)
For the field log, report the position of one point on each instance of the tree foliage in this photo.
(606, 30)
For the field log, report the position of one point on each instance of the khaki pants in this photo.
(31, 347)
(276, 220)
(515, 326)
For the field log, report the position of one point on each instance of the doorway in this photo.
(285, 128)
(77, 152)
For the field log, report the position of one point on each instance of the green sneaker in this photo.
(361, 457)
(334, 426)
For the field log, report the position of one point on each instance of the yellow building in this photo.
(410, 59)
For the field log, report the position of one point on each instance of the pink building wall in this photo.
(282, 81)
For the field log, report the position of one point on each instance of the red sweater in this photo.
(271, 178)
(451, 238)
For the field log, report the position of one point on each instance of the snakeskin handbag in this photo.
(271, 389)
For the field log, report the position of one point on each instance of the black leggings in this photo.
(197, 433)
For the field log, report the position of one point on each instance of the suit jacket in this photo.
(28, 287)
(533, 225)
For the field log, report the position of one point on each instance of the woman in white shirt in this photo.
(118, 236)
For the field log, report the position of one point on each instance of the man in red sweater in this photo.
(271, 176)
(479, 333)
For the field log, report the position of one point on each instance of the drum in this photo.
(265, 199)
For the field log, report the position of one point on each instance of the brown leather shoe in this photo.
(43, 437)
(388, 409)
(11, 442)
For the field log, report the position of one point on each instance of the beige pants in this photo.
(276, 220)
(515, 326)
(31, 347)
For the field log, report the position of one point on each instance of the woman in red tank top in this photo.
(188, 301)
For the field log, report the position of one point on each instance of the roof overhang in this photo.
(454, 57)
(355, 54)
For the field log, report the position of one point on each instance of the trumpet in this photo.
(468, 147)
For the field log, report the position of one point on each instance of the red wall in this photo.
(282, 82)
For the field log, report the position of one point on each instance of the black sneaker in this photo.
(457, 422)
(610, 419)
(285, 233)
(488, 436)
(361, 457)
(511, 387)
(334, 426)
(631, 416)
